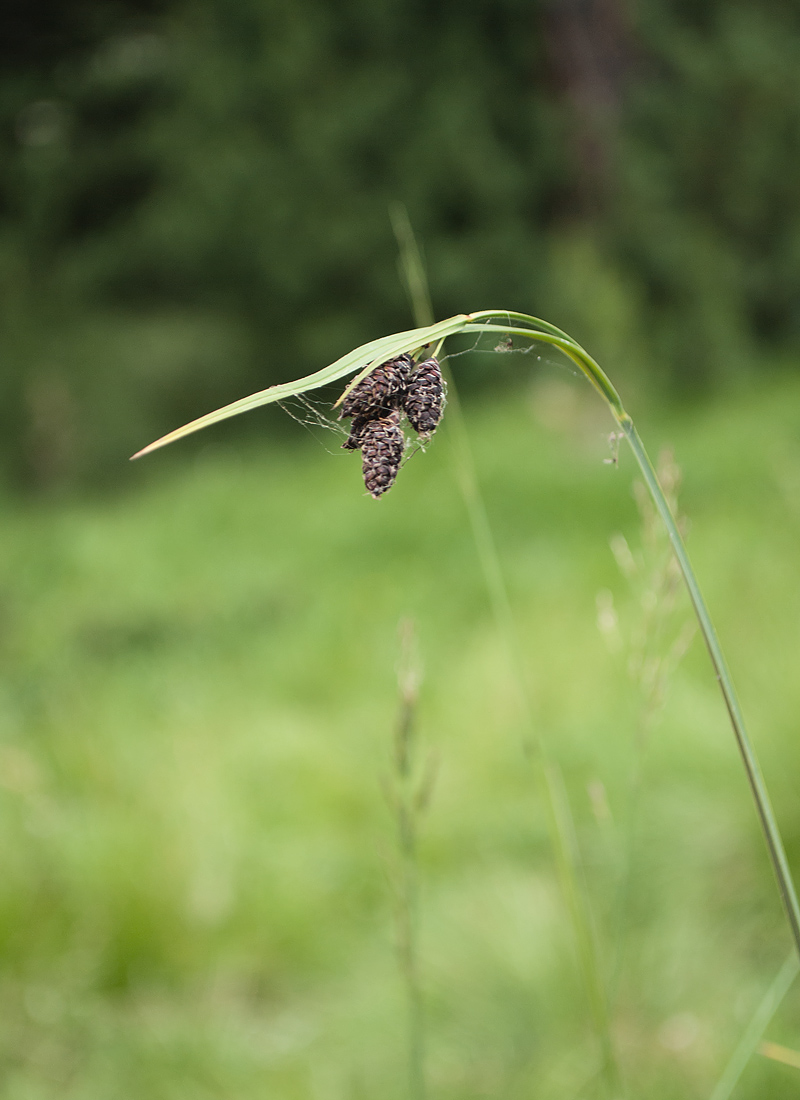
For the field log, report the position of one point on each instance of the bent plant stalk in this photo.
(365, 358)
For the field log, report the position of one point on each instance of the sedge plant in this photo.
(360, 362)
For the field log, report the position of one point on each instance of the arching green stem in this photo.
(557, 339)
(766, 815)
(758, 788)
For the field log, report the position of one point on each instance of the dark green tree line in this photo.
(194, 195)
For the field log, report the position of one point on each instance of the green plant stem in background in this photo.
(560, 822)
(662, 580)
(749, 1041)
(409, 798)
(412, 274)
(412, 266)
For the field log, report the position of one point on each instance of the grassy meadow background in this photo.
(199, 694)
(200, 868)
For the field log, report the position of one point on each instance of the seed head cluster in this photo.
(375, 406)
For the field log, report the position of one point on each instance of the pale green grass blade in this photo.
(777, 1053)
(749, 1041)
(376, 351)
(412, 267)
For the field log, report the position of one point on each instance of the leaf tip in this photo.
(146, 450)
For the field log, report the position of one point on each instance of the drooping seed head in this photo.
(424, 398)
(382, 389)
(382, 445)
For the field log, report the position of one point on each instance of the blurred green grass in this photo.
(197, 693)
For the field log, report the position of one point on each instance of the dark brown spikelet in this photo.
(381, 390)
(424, 399)
(357, 429)
(382, 446)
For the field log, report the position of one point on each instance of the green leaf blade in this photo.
(361, 359)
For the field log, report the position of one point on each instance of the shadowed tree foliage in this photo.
(193, 196)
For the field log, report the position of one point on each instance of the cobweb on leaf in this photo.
(316, 416)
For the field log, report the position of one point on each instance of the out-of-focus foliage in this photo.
(710, 177)
(193, 196)
(197, 703)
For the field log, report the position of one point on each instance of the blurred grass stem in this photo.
(651, 668)
(759, 1022)
(408, 799)
(561, 826)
